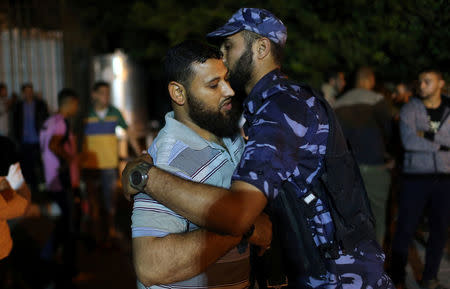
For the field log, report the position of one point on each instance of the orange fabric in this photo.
(13, 208)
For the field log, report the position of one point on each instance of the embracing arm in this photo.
(178, 257)
(229, 211)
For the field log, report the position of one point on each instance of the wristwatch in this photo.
(139, 176)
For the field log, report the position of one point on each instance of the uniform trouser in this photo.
(377, 180)
(417, 192)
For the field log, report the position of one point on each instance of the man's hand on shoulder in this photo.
(128, 190)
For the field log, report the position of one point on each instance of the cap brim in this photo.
(224, 31)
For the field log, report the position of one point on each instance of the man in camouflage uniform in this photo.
(287, 129)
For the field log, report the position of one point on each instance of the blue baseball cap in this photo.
(259, 21)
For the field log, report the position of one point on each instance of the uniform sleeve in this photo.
(287, 140)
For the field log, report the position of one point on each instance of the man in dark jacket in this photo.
(365, 119)
(28, 116)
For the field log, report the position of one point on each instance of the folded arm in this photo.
(178, 257)
(410, 135)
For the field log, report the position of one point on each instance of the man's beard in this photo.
(216, 122)
(241, 74)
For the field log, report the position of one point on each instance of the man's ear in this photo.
(441, 83)
(262, 48)
(177, 92)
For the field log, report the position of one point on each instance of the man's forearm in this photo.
(178, 257)
(215, 208)
(132, 138)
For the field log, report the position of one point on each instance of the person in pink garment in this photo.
(59, 155)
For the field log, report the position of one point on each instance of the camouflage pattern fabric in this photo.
(287, 129)
(259, 21)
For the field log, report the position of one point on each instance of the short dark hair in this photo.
(99, 84)
(432, 70)
(26, 85)
(2, 85)
(276, 49)
(65, 94)
(179, 59)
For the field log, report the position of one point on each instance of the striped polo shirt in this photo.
(100, 146)
(179, 150)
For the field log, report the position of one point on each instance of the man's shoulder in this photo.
(413, 104)
(164, 142)
(168, 147)
(90, 112)
(112, 110)
(359, 96)
(289, 98)
(53, 121)
(176, 154)
(40, 102)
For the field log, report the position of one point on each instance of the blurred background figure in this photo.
(401, 95)
(5, 104)
(62, 178)
(366, 122)
(100, 160)
(425, 134)
(334, 85)
(14, 201)
(28, 116)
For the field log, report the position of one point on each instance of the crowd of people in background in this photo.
(400, 135)
(400, 138)
(44, 146)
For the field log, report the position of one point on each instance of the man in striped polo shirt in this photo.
(200, 142)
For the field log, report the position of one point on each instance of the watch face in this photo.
(136, 178)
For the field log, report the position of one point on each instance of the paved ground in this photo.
(413, 273)
(111, 267)
(100, 267)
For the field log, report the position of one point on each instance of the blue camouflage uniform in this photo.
(287, 131)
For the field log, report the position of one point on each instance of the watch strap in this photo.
(249, 233)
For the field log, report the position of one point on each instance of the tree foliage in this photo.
(396, 37)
